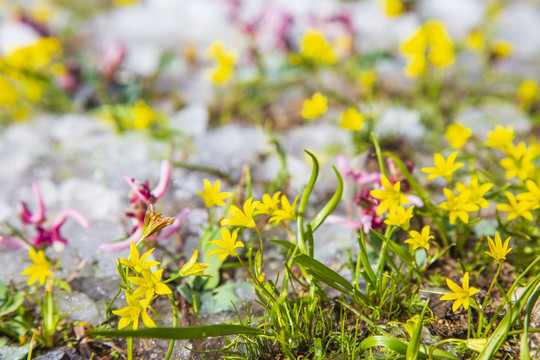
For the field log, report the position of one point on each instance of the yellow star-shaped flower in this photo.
(498, 250)
(41, 268)
(444, 168)
(460, 294)
(212, 195)
(420, 240)
(149, 284)
(138, 264)
(390, 197)
(242, 218)
(228, 244)
(194, 268)
(131, 313)
(286, 212)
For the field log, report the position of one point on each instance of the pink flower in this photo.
(142, 193)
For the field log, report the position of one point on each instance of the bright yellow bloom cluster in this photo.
(212, 195)
(41, 269)
(314, 107)
(460, 294)
(520, 161)
(458, 206)
(532, 197)
(457, 135)
(351, 119)
(500, 137)
(279, 209)
(223, 69)
(433, 39)
(400, 217)
(390, 197)
(313, 45)
(392, 8)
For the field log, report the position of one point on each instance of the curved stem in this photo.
(175, 324)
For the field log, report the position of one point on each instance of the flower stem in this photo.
(492, 283)
(175, 324)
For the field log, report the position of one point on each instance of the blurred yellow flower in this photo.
(475, 41)
(223, 69)
(500, 137)
(516, 208)
(143, 115)
(314, 107)
(433, 39)
(444, 168)
(457, 135)
(476, 192)
(502, 48)
(351, 119)
(532, 196)
(528, 92)
(269, 204)
(392, 8)
(212, 195)
(41, 269)
(313, 45)
(8, 94)
(400, 217)
(458, 207)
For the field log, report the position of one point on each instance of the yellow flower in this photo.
(314, 107)
(268, 204)
(444, 168)
(193, 268)
(502, 48)
(532, 196)
(457, 135)
(154, 222)
(392, 8)
(224, 63)
(228, 244)
(351, 119)
(125, 2)
(149, 284)
(475, 40)
(390, 197)
(367, 78)
(143, 115)
(8, 94)
(132, 312)
(212, 195)
(286, 212)
(35, 57)
(460, 294)
(136, 263)
(528, 92)
(516, 208)
(476, 193)
(313, 45)
(458, 206)
(41, 268)
(400, 217)
(519, 161)
(500, 137)
(498, 250)
(433, 39)
(420, 240)
(239, 218)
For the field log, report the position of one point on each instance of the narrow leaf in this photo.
(331, 205)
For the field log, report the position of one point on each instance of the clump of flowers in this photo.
(140, 198)
(432, 39)
(314, 46)
(224, 60)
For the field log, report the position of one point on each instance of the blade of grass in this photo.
(304, 200)
(414, 345)
(183, 333)
(525, 352)
(331, 205)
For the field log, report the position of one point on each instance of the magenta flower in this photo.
(47, 232)
(140, 198)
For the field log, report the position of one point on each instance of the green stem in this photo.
(175, 324)
(130, 347)
(262, 249)
(492, 283)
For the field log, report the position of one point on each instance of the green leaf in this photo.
(368, 274)
(184, 333)
(525, 352)
(323, 273)
(304, 200)
(400, 347)
(331, 205)
(378, 153)
(414, 345)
